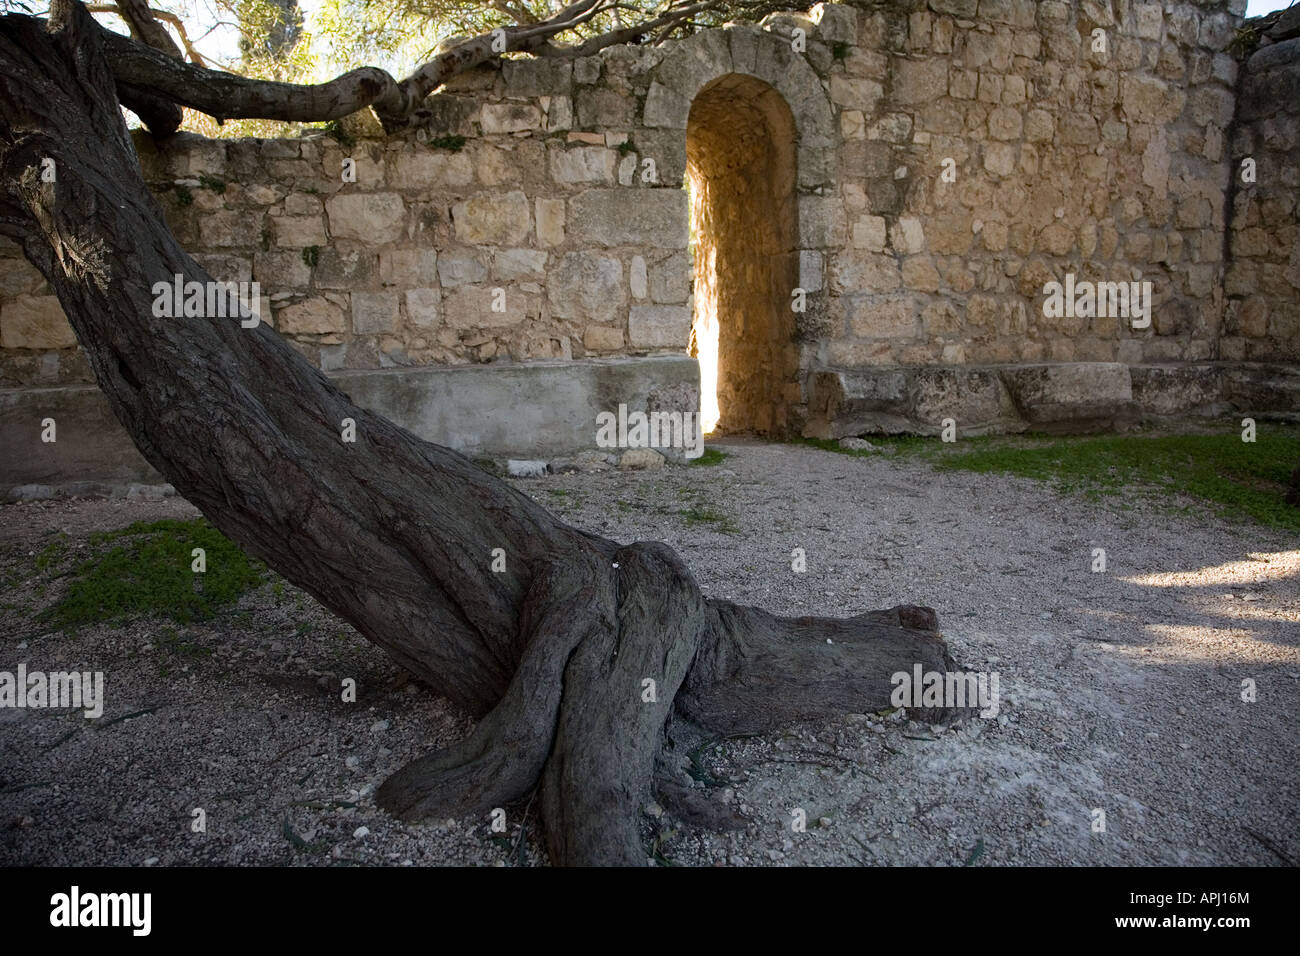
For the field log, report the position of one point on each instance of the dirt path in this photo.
(1119, 691)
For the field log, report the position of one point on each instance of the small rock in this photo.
(640, 459)
(361, 832)
(379, 726)
(151, 861)
(592, 461)
(654, 810)
(823, 822)
(525, 468)
(352, 763)
(857, 444)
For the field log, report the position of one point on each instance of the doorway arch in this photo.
(741, 169)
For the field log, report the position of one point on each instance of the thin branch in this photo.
(176, 22)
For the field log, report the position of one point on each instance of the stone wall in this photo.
(1263, 278)
(951, 157)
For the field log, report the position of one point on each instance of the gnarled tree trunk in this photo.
(396, 534)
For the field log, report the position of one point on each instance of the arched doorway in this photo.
(740, 150)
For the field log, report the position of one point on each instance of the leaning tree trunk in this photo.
(396, 534)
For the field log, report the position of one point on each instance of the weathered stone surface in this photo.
(374, 312)
(489, 218)
(882, 316)
(424, 307)
(298, 231)
(821, 222)
(666, 108)
(919, 81)
(342, 266)
(585, 164)
(975, 399)
(1178, 390)
(408, 267)
(603, 338)
(370, 217)
(604, 108)
(587, 285)
(509, 264)
(670, 279)
(509, 118)
(621, 217)
(640, 459)
(281, 270)
(537, 76)
(1075, 396)
(316, 316)
(865, 272)
(226, 268)
(550, 222)
(35, 322)
(659, 326)
(424, 169)
(477, 306)
(459, 267)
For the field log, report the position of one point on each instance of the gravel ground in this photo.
(1120, 691)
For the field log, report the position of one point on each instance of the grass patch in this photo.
(1235, 478)
(146, 570)
(698, 515)
(52, 553)
(711, 456)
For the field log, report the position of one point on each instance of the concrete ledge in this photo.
(536, 410)
(1061, 398)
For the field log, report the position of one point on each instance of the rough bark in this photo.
(395, 534)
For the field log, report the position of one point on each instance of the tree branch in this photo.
(176, 22)
(149, 78)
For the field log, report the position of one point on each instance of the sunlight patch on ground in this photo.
(1261, 566)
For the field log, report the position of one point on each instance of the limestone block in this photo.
(659, 326)
(497, 118)
(493, 218)
(373, 218)
(374, 312)
(620, 216)
(587, 286)
(35, 322)
(316, 316)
